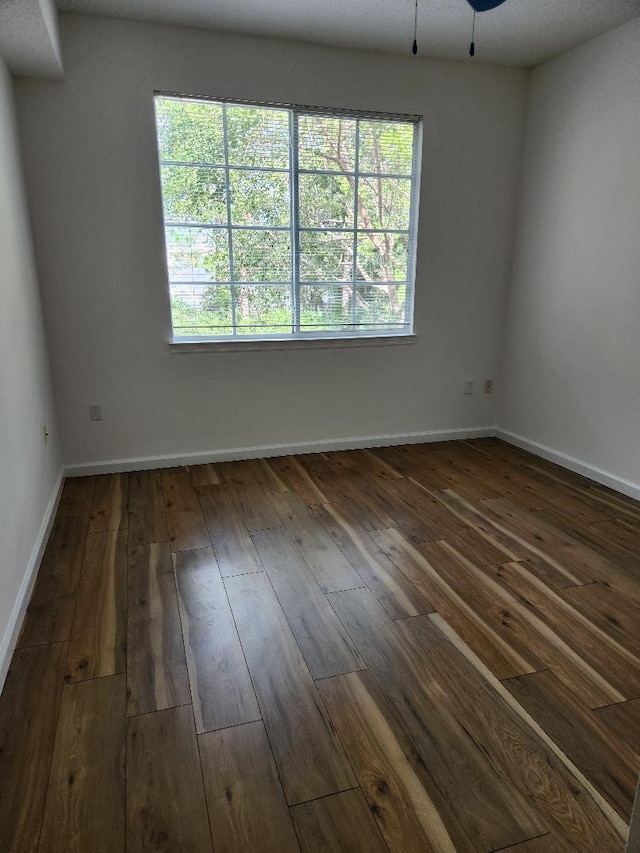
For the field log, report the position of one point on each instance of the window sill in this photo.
(183, 347)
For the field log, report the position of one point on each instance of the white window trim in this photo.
(309, 339)
(244, 343)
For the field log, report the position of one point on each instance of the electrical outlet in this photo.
(95, 412)
(468, 386)
(488, 386)
(45, 433)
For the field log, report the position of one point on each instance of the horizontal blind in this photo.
(285, 221)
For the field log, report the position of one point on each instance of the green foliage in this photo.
(247, 238)
(189, 131)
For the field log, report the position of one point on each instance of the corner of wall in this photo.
(517, 204)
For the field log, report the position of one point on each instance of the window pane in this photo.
(386, 146)
(382, 257)
(384, 203)
(261, 255)
(259, 198)
(226, 177)
(189, 131)
(325, 201)
(201, 310)
(197, 254)
(326, 256)
(258, 137)
(325, 307)
(194, 194)
(263, 309)
(327, 143)
(381, 306)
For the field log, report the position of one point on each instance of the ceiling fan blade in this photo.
(484, 5)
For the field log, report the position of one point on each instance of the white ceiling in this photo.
(520, 32)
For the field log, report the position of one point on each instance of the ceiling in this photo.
(520, 32)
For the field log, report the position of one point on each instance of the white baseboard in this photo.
(146, 462)
(141, 463)
(10, 638)
(605, 478)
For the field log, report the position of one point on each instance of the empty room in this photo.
(320, 426)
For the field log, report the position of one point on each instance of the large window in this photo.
(286, 222)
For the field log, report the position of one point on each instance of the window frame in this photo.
(297, 337)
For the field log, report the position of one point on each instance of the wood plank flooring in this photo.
(420, 648)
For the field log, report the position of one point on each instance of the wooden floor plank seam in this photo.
(202, 776)
(146, 713)
(514, 847)
(616, 704)
(544, 669)
(327, 796)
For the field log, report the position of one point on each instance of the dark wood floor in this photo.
(421, 648)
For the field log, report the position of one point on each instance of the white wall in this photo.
(29, 470)
(93, 183)
(571, 378)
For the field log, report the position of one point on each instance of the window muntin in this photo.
(283, 222)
